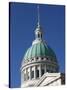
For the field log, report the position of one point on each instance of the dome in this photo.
(40, 49)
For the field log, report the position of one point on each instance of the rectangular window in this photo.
(42, 71)
(32, 74)
(37, 73)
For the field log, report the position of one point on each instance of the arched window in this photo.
(38, 35)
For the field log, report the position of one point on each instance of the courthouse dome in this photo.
(39, 49)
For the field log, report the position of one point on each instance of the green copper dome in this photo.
(39, 50)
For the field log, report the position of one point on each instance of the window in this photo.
(32, 74)
(41, 35)
(37, 58)
(42, 71)
(32, 59)
(42, 58)
(48, 70)
(37, 73)
(38, 35)
(47, 58)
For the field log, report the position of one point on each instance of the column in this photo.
(45, 69)
(34, 59)
(22, 76)
(30, 72)
(40, 70)
(34, 72)
(26, 75)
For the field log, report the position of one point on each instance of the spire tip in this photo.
(38, 16)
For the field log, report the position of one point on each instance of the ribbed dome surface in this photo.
(39, 49)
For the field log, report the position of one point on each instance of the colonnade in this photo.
(32, 70)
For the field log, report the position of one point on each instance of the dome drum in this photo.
(39, 50)
(46, 62)
(37, 59)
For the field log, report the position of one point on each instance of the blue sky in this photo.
(23, 22)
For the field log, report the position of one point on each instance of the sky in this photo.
(23, 22)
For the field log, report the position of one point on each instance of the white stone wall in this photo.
(52, 79)
(48, 79)
(56, 83)
(29, 83)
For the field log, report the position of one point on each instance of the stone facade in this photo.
(48, 79)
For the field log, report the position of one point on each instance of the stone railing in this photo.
(55, 75)
(40, 80)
